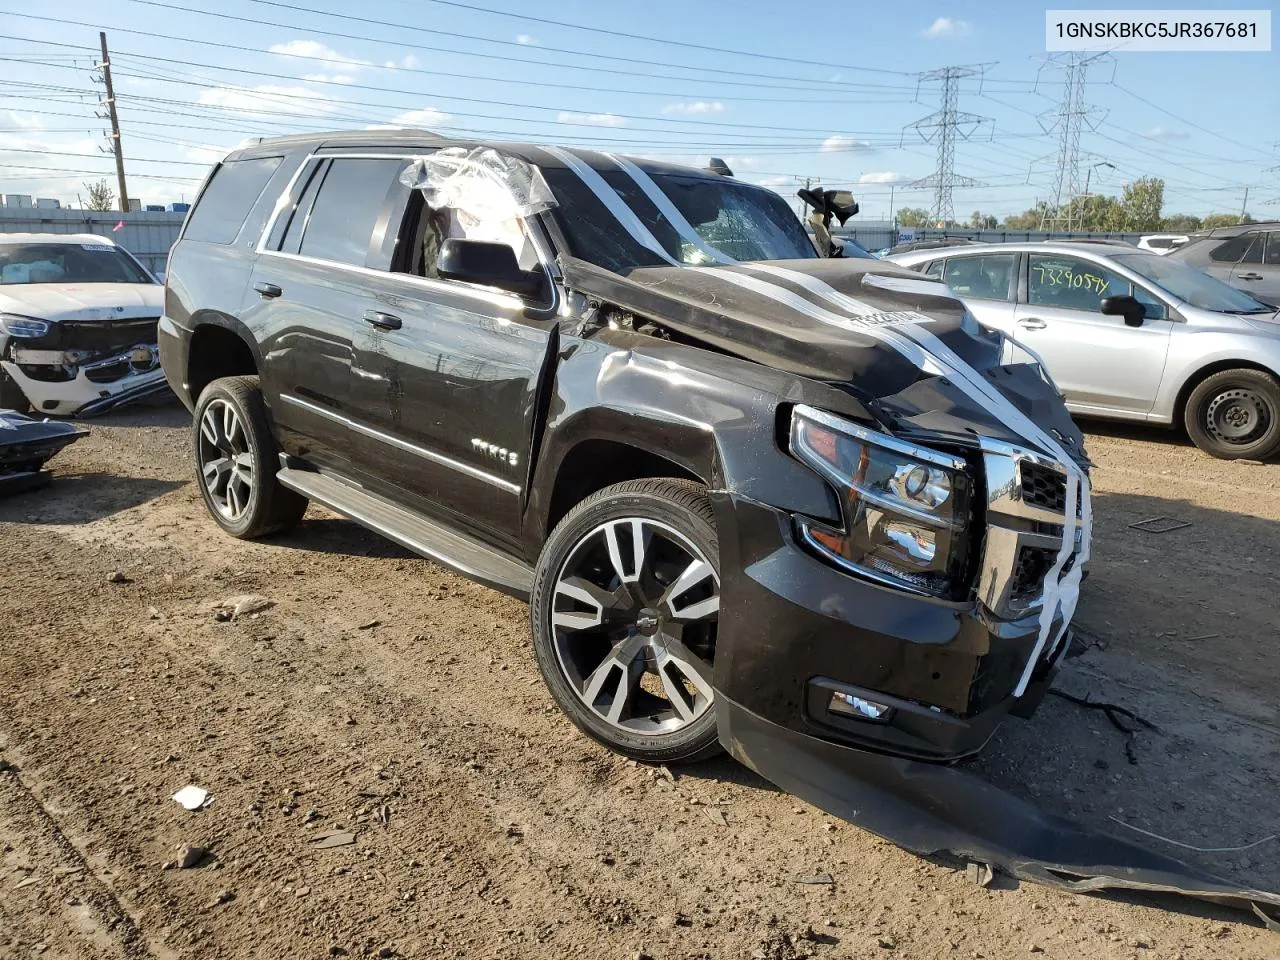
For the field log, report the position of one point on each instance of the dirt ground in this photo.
(382, 695)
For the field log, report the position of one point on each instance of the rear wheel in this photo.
(1235, 414)
(236, 460)
(624, 612)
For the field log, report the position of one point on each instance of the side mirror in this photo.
(1124, 306)
(488, 264)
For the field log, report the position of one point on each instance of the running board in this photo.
(469, 557)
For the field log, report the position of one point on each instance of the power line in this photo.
(852, 88)
(1168, 113)
(401, 27)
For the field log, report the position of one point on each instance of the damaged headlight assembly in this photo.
(905, 509)
(25, 328)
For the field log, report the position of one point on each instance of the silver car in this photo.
(1130, 335)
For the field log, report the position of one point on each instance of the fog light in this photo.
(848, 705)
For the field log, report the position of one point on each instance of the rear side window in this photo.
(935, 269)
(1246, 248)
(227, 200)
(984, 278)
(340, 224)
(1272, 257)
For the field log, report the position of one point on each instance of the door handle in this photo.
(1249, 276)
(1032, 323)
(383, 321)
(268, 291)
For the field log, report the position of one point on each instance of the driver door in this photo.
(1100, 364)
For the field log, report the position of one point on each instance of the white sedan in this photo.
(78, 319)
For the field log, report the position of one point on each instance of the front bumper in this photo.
(795, 630)
(91, 387)
(933, 809)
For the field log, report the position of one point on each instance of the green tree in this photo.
(1181, 223)
(913, 217)
(1028, 219)
(101, 196)
(1098, 213)
(982, 221)
(1142, 202)
(1224, 220)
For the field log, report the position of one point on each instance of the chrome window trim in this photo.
(413, 448)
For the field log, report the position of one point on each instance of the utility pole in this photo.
(808, 184)
(944, 125)
(1244, 206)
(1072, 114)
(116, 149)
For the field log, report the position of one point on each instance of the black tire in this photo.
(1235, 414)
(266, 507)
(678, 514)
(11, 395)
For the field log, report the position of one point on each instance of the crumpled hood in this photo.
(83, 301)
(774, 320)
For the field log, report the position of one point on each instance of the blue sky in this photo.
(834, 103)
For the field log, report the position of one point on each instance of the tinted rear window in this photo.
(340, 224)
(231, 194)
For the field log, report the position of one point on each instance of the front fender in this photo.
(1210, 350)
(715, 416)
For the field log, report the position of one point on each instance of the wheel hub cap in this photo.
(634, 619)
(225, 460)
(1238, 416)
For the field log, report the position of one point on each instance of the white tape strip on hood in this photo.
(919, 346)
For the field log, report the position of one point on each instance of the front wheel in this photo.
(624, 611)
(236, 460)
(1235, 414)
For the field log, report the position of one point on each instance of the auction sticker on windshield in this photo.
(1238, 31)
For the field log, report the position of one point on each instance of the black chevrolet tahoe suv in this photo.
(757, 498)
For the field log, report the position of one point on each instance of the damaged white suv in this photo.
(78, 321)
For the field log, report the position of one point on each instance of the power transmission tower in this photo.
(114, 138)
(1072, 115)
(944, 126)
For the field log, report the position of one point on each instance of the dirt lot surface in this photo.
(383, 696)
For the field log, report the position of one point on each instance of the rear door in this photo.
(308, 295)
(1098, 362)
(1261, 279)
(987, 283)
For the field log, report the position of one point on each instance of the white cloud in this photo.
(526, 40)
(695, 108)
(330, 78)
(775, 181)
(839, 143)
(268, 98)
(882, 176)
(25, 121)
(592, 119)
(947, 28)
(410, 62)
(1164, 133)
(741, 163)
(315, 50)
(426, 117)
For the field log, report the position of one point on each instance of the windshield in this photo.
(741, 221)
(22, 263)
(1191, 285)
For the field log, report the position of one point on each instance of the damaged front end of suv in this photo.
(78, 321)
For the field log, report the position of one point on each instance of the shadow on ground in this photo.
(83, 498)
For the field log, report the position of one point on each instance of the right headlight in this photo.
(904, 508)
(25, 328)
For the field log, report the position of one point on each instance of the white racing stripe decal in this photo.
(668, 209)
(617, 206)
(909, 339)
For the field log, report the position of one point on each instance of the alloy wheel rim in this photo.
(226, 460)
(1238, 416)
(634, 617)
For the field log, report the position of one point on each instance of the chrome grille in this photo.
(1043, 486)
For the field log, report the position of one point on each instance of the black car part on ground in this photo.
(26, 445)
(933, 809)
